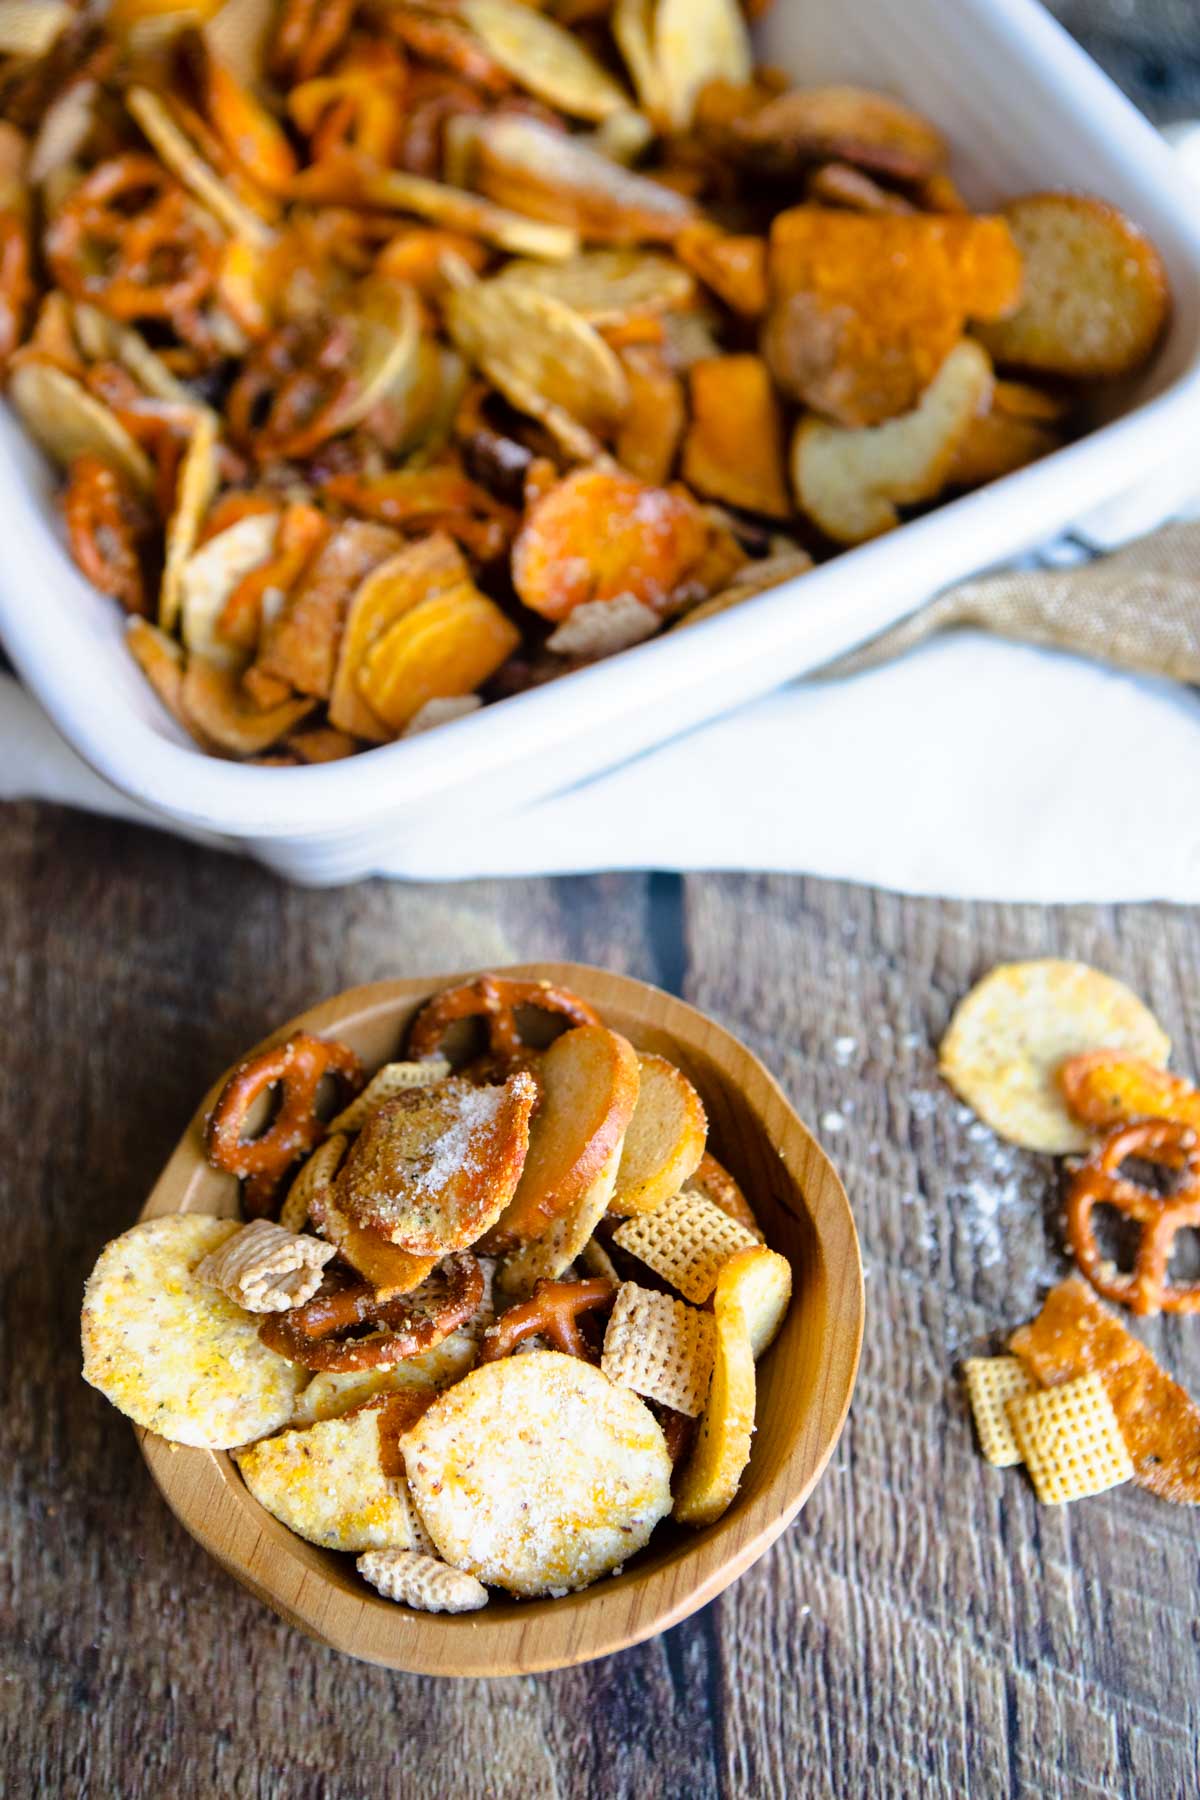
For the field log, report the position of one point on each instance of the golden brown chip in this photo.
(195, 486)
(207, 578)
(733, 450)
(608, 286)
(713, 1473)
(649, 435)
(448, 645)
(1074, 1334)
(694, 42)
(67, 421)
(219, 711)
(1095, 298)
(761, 1281)
(387, 593)
(841, 124)
(550, 62)
(665, 1139)
(524, 339)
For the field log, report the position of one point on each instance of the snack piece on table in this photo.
(660, 1347)
(1010, 1034)
(173, 1354)
(265, 1268)
(686, 1240)
(1070, 1440)
(537, 1474)
(762, 1281)
(326, 1484)
(1074, 1334)
(713, 1472)
(422, 1582)
(1103, 1088)
(713, 1180)
(992, 1381)
(1148, 1286)
(392, 1079)
(1095, 296)
(588, 1082)
(434, 1167)
(665, 1139)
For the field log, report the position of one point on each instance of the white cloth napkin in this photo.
(972, 768)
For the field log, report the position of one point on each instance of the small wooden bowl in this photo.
(805, 1379)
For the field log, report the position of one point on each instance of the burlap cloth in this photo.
(1137, 609)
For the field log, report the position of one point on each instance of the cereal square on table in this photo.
(685, 1240)
(660, 1347)
(1070, 1439)
(992, 1381)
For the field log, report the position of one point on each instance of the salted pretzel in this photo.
(297, 1067)
(552, 1311)
(495, 998)
(308, 33)
(130, 239)
(292, 390)
(1147, 1288)
(104, 521)
(317, 1335)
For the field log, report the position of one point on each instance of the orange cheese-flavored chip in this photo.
(865, 307)
(599, 533)
(1106, 1087)
(300, 646)
(390, 591)
(734, 447)
(447, 645)
(735, 268)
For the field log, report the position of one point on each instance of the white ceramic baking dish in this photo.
(1024, 108)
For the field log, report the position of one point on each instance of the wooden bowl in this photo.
(805, 1379)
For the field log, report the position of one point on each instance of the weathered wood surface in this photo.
(923, 1628)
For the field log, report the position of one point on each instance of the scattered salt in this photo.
(843, 1049)
(832, 1122)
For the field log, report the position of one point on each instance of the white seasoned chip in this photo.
(173, 1354)
(326, 1484)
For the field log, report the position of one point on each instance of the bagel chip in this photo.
(713, 1473)
(172, 1354)
(326, 1484)
(566, 1238)
(538, 1474)
(665, 1139)
(761, 1279)
(1013, 1031)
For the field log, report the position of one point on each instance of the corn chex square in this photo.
(992, 1381)
(685, 1240)
(1070, 1439)
(660, 1347)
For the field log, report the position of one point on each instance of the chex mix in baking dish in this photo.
(399, 357)
(1060, 1058)
(485, 1327)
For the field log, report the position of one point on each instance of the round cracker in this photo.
(1014, 1030)
(538, 1474)
(173, 1354)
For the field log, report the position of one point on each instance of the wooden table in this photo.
(923, 1628)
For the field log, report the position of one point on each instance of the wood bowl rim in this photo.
(204, 1491)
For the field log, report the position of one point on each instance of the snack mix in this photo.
(1061, 1058)
(399, 357)
(485, 1328)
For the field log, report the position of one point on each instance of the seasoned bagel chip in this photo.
(713, 1473)
(761, 1280)
(1013, 1031)
(665, 1139)
(538, 1474)
(326, 1484)
(173, 1354)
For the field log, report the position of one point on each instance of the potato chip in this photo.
(840, 124)
(511, 331)
(161, 661)
(1075, 1333)
(761, 1280)
(508, 230)
(687, 1240)
(62, 133)
(387, 594)
(450, 644)
(195, 485)
(387, 347)
(67, 421)
(633, 29)
(599, 533)
(209, 577)
(607, 286)
(712, 1474)
(992, 1381)
(1070, 1440)
(544, 58)
(422, 1582)
(218, 709)
(172, 1354)
(659, 1347)
(522, 163)
(733, 450)
(665, 1139)
(1015, 1028)
(537, 1474)
(325, 1483)
(696, 41)
(301, 645)
(865, 308)
(180, 155)
(852, 482)
(755, 578)
(102, 339)
(1096, 295)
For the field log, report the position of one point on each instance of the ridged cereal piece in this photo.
(266, 1268)
(173, 1354)
(1070, 1439)
(686, 1240)
(538, 1474)
(992, 1381)
(422, 1582)
(394, 1078)
(314, 1178)
(326, 1484)
(659, 1347)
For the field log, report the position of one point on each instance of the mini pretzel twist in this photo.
(316, 1334)
(1098, 1182)
(552, 1311)
(291, 393)
(297, 1067)
(129, 239)
(495, 998)
(104, 521)
(308, 33)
